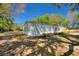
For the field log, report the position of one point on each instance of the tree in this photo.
(42, 19)
(73, 6)
(11, 9)
(6, 23)
(18, 27)
(75, 23)
(55, 20)
(58, 20)
(7, 11)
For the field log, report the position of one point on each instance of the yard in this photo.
(56, 44)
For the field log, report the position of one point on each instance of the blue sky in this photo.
(33, 10)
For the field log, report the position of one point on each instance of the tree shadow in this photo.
(64, 35)
(52, 40)
(5, 37)
(70, 51)
(74, 36)
(46, 50)
(43, 51)
(71, 46)
(9, 47)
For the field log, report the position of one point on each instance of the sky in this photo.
(33, 10)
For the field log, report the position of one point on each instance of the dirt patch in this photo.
(23, 46)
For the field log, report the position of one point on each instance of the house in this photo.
(38, 29)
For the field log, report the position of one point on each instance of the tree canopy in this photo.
(58, 20)
(75, 21)
(42, 19)
(55, 20)
(73, 6)
(7, 11)
(11, 9)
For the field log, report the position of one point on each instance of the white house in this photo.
(38, 29)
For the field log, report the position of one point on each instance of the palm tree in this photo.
(76, 21)
(73, 8)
